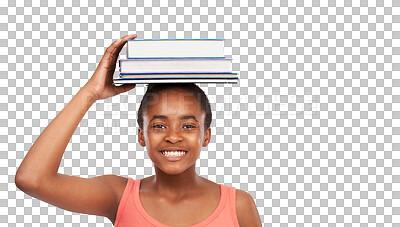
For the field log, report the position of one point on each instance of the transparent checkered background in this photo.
(311, 132)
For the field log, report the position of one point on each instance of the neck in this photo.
(176, 186)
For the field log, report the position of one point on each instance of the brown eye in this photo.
(189, 126)
(158, 126)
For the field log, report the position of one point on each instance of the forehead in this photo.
(173, 103)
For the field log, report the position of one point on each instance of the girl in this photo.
(174, 123)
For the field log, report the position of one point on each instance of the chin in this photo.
(173, 173)
(173, 170)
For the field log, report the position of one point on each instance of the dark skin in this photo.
(177, 125)
(182, 189)
(176, 189)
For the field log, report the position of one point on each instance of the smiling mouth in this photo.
(177, 153)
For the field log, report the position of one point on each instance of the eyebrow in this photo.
(165, 117)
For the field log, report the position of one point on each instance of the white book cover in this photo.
(176, 65)
(169, 48)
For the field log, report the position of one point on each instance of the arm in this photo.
(37, 175)
(246, 210)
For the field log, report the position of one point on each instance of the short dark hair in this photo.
(193, 89)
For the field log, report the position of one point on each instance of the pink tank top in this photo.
(131, 212)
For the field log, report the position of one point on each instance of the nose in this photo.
(173, 136)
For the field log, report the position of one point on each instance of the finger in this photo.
(124, 88)
(113, 50)
(122, 42)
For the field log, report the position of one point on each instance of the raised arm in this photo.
(38, 173)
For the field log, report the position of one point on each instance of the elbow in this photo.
(24, 182)
(20, 183)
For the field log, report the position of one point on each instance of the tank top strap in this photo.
(125, 202)
(222, 205)
(232, 205)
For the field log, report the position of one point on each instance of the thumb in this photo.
(124, 88)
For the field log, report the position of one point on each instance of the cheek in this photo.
(154, 138)
(194, 139)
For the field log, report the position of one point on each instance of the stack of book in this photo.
(176, 61)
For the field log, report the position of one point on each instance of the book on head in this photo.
(182, 65)
(177, 75)
(175, 48)
(177, 80)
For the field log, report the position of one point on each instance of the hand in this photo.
(101, 83)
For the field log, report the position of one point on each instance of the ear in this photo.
(141, 138)
(207, 137)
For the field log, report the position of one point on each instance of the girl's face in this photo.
(174, 121)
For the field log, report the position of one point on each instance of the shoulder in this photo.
(117, 185)
(246, 209)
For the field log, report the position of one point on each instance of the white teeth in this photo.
(173, 153)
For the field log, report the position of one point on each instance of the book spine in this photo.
(170, 73)
(177, 58)
(148, 78)
(174, 39)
